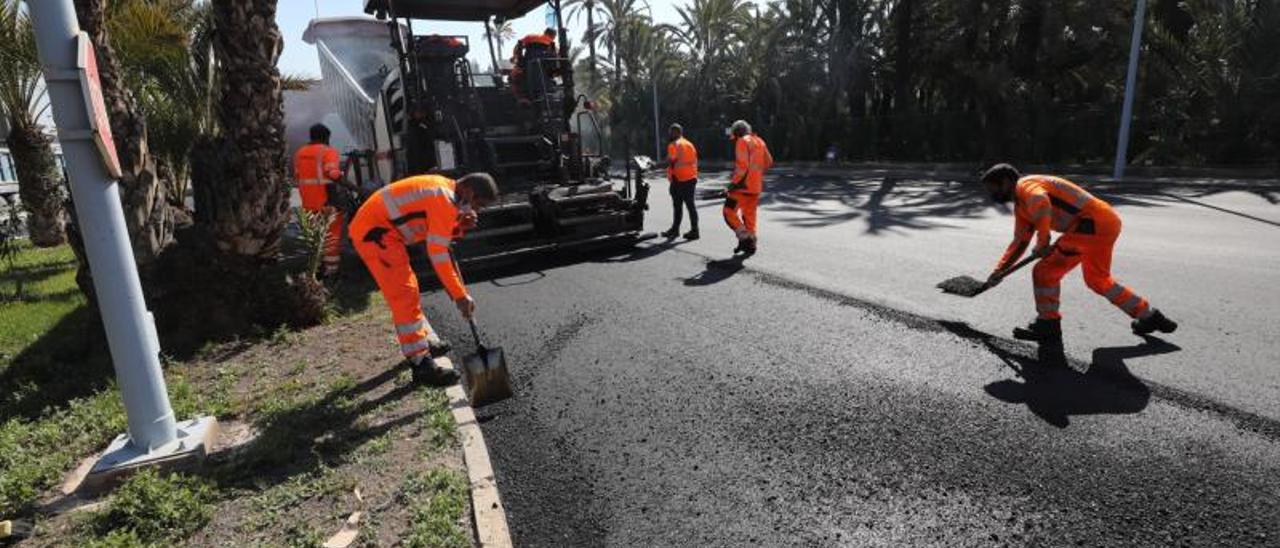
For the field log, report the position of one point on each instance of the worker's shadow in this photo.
(1054, 392)
(717, 271)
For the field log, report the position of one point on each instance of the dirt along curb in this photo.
(488, 513)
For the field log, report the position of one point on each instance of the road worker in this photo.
(682, 173)
(751, 159)
(528, 77)
(1089, 227)
(422, 208)
(318, 172)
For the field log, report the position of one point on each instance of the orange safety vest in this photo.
(412, 210)
(751, 158)
(314, 166)
(682, 160)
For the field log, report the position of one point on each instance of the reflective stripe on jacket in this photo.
(1044, 204)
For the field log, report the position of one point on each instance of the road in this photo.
(823, 393)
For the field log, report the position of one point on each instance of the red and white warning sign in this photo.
(99, 122)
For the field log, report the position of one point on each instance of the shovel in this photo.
(485, 373)
(967, 286)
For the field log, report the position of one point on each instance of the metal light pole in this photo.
(71, 74)
(657, 134)
(1126, 116)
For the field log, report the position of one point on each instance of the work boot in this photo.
(437, 346)
(426, 372)
(671, 234)
(1155, 322)
(1041, 331)
(742, 246)
(692, 235)
(749, 246)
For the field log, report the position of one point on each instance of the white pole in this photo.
(657, 134)
(130, 333)
(1126, 116)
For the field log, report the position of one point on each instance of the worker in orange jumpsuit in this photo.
(317, 170)
(1089, 227)
(682, 173)
(751, 159)
(529, 49)
(422, 208)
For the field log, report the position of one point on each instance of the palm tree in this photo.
(149, 215)
(22, 100)
(578, 8)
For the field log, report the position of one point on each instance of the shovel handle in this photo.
(475, 333)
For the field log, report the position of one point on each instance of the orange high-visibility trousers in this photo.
(740, 213)
(1094, 252)
(388, 261)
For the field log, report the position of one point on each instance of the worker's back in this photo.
(1067, 201)
(411, 207)
(314, 166)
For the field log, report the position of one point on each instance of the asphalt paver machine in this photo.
(425, 108)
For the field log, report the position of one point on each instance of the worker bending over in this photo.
(751, 159)
(682, 173)
(1089, 228)
(317, 170)
(423, 208)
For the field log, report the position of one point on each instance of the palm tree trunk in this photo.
(148, 211)
(244, 204)
(38, 183)
(591, 42)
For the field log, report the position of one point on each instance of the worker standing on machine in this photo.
(682, 173)
(318, 172)
(751, 159)
(423, 208)
(528, 76)
(1089, 227)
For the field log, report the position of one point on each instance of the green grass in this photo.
(37, 293)
(437, 420)
(38, 448)
(438, 500)
(152, 508)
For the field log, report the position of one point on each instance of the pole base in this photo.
(122, 458)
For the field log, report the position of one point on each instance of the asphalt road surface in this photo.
(823, 393)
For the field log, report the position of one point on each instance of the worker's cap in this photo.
(676, 127)
(549, 32)
(740, 128)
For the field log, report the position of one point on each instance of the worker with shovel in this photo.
(1089, 228)
(424, 208)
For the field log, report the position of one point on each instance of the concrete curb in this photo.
(486, 504)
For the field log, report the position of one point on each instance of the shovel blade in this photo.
(485, 376)
(965, 286)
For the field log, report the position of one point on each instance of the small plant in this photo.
(313, 228)
(437, 420)
(153, 508)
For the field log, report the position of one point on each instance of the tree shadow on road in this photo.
(1055, 393)
(717, 271)
(888, 203)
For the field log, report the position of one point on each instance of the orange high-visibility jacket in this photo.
(412, 210)
(751, 158)
(314, 166)
(1045, 204)
(682, 160)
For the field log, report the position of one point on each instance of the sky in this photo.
(300, 59)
